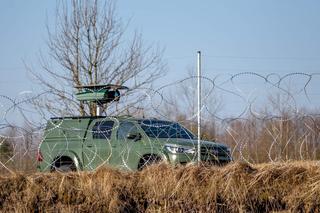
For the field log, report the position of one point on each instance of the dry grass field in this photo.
(238, 187)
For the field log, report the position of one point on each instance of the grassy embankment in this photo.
(238, 187)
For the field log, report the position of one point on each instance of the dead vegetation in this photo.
(238, 187)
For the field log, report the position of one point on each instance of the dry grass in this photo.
(238, 187)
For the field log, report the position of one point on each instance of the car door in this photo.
(129, 145)
(97, 148)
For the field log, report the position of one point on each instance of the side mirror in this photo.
(134, 136)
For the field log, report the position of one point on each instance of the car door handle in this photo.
(89, 145)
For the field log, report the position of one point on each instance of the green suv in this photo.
(87, 143)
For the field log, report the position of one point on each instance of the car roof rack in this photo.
(77, 117)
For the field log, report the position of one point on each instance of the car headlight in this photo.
(175, 149)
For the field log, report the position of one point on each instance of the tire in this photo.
(63, 164)
(148, 160)
(66, 168)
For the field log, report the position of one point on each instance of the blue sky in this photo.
(234, 36)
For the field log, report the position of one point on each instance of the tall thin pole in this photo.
(98, 112)
(199, 106)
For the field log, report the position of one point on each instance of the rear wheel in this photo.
(66, 168)
(63, 164)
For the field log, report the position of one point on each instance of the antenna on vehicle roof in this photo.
(100, 94)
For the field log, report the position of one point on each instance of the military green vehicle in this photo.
(87, 143)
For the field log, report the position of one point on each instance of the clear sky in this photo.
(274, 36)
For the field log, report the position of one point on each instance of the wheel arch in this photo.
(69, 157)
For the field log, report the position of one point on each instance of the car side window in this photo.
(102, 130)
(124, 129)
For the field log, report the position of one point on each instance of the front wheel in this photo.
(148, 160)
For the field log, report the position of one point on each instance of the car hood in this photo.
(188, 142)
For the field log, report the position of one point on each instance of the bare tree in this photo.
(88, 47)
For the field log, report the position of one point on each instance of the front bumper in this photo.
(183, 158)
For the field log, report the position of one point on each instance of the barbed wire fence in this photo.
(262, 118)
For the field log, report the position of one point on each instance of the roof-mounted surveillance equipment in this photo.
(100, 94)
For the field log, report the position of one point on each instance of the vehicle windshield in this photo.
(165, 129)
